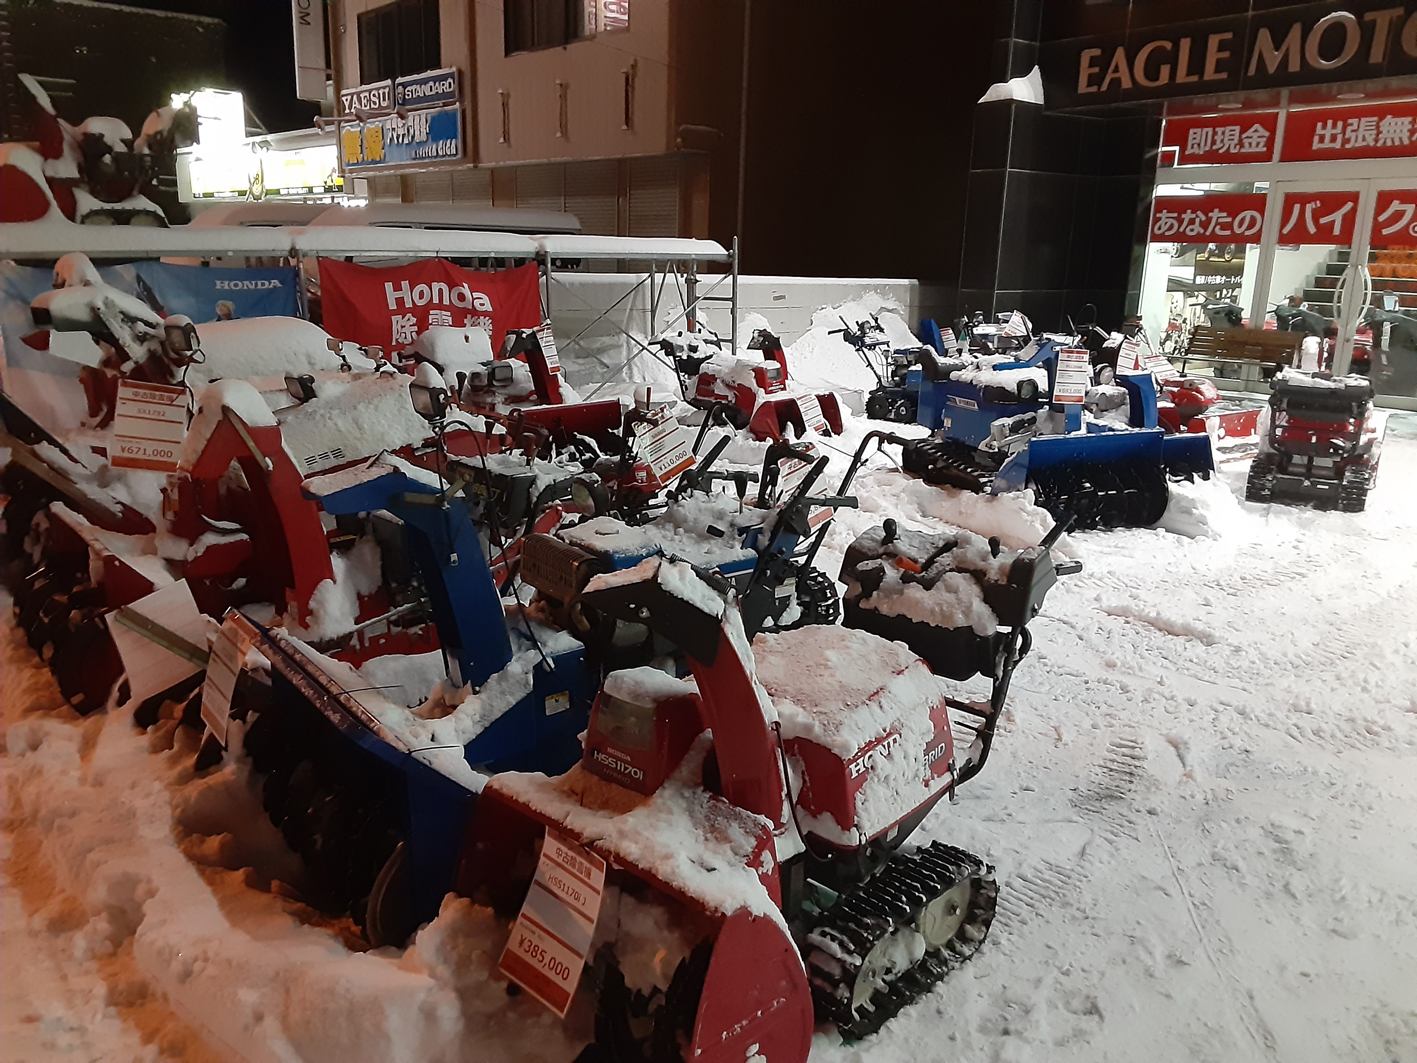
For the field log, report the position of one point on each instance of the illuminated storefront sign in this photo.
(410, 120)
(243, 173)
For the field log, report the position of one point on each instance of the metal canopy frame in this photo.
(664, 259)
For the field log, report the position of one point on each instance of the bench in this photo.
(1241, 346)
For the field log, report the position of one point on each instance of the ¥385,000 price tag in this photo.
(552, 934)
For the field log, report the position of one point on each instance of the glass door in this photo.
(1390, 318)
(1313, 272)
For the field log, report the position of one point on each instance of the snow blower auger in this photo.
(372, 795)
(746, 900)
(1321, 441)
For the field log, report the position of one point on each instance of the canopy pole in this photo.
(733, 301)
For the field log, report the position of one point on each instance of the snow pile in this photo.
(647, 686)
(688, 838)
(334, 607)
(985, 375)
(453, 350)
(369, 415)
(265, 347)
(1300, 378)
(954, 600)
(406, 679)
(820, 359)
(680, 531)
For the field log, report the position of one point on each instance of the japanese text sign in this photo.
(1073, 376)
(1213, 218)
(418, 136)
(1317, 218)
(1372, 131)
(1228, 138)
(149, 424)
(552, 935)
(1395, 218)
(666, 447)
(390, 306)
(223, 668)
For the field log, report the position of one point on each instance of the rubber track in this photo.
(842, 938)
(946, 463)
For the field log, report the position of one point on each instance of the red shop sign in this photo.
(390, 306)
(1224, 138)
(1229, 217)
(1317, 218)
(1372, 131)
(1395, 218)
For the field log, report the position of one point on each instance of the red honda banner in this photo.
(389, 306)
(1317, 218)
(1227, 138)
(1395, 218)
(1226, 218)
(1372, 131)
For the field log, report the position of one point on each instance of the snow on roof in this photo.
(372, 414)
(688, 838)
(635, 248)
(841, 687)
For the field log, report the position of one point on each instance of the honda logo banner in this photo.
(391, 306)
(1223, 218)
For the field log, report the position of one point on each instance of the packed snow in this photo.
(1199, 806)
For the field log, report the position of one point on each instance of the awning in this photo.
(49, 240)
(633, 248)
(337, 241)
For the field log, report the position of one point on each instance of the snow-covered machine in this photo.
(1321, 440)
(94, 173)
(753, 820)
(997, 425)
(757, 393)
(897, 392)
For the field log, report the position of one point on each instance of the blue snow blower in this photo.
(377, 819)
(995, 428)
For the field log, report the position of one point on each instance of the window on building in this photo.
(399, 39)
(531, 24)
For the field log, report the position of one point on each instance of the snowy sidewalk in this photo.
(1200, 804)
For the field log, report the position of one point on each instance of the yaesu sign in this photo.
(1300, 45)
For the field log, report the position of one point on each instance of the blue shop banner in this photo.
(423, 136)
(207, 293)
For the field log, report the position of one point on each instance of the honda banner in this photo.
(389, 306)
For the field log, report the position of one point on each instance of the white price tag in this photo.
(549, 941)
(666, 446)
(223, 667)
(149, 425)
(548, 346)
(1018, 325)
(1129, 356)
(810, 407)
(947, 340)
(1074, 375)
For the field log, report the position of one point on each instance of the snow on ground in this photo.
(1200, 807)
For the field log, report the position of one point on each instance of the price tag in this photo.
(666, 447)
(549, 941)
(791, 473)
(810, 407)
(548, 346)
(228, 657)
(1129, 356)
(1074, 375)
(947, 340)
(1018, 325)
(149, 424)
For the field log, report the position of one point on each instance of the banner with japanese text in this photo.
(1226, 218)
(390, 306)
(1227, 138)
(1370, 131)
(1317, 218)
(1395, 218)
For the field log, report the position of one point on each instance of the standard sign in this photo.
(149, 424)
(665, 446)
(549, 941)
(1074, 375)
